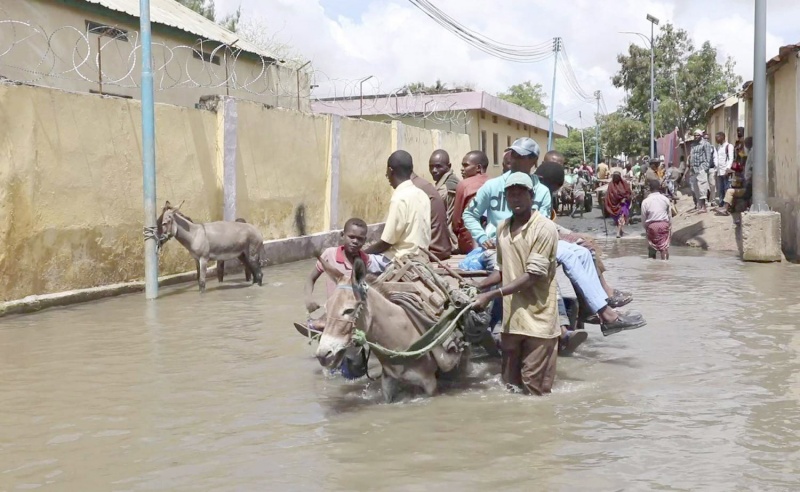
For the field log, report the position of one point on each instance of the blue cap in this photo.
(519, 179)
(525, 147)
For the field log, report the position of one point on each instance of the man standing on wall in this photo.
(446, 182)
(473, 170)
(702, 155)
(725, 157)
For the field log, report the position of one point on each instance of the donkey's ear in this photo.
(333, 273)
(359, 272)
(180, 205)
(167, 205)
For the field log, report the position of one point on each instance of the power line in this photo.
(509, 52)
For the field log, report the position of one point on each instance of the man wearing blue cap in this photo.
(526, 261)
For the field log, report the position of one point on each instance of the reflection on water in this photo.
(218, 392)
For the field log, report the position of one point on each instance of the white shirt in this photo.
(723, 161)
(408, 225)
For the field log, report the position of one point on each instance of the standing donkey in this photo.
(217, 241)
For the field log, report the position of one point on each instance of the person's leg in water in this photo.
(581, 271)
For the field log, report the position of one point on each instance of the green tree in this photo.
(687, 80)
(572, 146)
(621, 133)
(529, 96)
(202, 7)
(437, 88)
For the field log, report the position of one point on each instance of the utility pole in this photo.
(583, 140)
(653, 23)
(556, 49)
(760, 109)
(597, 132)
(148, 156)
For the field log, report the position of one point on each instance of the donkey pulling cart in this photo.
(416, 318)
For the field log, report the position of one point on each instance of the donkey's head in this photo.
(347, 310)
(165, 224)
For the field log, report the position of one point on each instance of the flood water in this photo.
(218, 392)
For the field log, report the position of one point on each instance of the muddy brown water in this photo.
(218, 392)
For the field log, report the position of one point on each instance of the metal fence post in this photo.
(148, 155)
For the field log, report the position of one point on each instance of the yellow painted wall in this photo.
(71, 187)
(784, 131)
(281, 165)
(364, 191)
(71, 210)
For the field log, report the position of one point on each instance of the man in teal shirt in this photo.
(491, 197)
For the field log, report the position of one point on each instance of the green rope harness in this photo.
(427, 342)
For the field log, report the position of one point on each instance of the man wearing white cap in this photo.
(526, 261)
(701, 159)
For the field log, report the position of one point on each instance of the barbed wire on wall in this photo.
(108, 57)
(341, 96)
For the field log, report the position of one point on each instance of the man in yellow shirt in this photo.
(602, 171)
(408, 224)
(526, 265)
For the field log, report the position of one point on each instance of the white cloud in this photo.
(396, 44)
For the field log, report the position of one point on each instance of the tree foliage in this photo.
(572, 146)
(622, 134)
(202, 7)
(529, 96)
(253, 30)
(687, 80)
(438, 87)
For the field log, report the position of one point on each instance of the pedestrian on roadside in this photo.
(618, 201)
(657, 219)
(701, 159)
(602, 170)
(741, 186)
(725, 156)
(526, 266)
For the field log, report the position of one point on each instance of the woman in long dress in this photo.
(618, 201)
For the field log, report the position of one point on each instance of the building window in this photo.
(536, 130)
(517, 126)
(483, 115)
(483, 140)
(525, 127)
(508, 141)
(509, 122)
(495, 145)
(206, 57)
(103, 30)
(494, 119)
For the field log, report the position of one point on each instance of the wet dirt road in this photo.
(218, 392)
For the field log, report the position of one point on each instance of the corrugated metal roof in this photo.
(432, 103)
(173, 14)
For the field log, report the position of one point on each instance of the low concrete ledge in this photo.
(761, 237)
(278, 251)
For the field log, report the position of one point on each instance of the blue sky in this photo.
(347, 40)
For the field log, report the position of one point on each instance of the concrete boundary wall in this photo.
(71, 180)
(280, 251)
